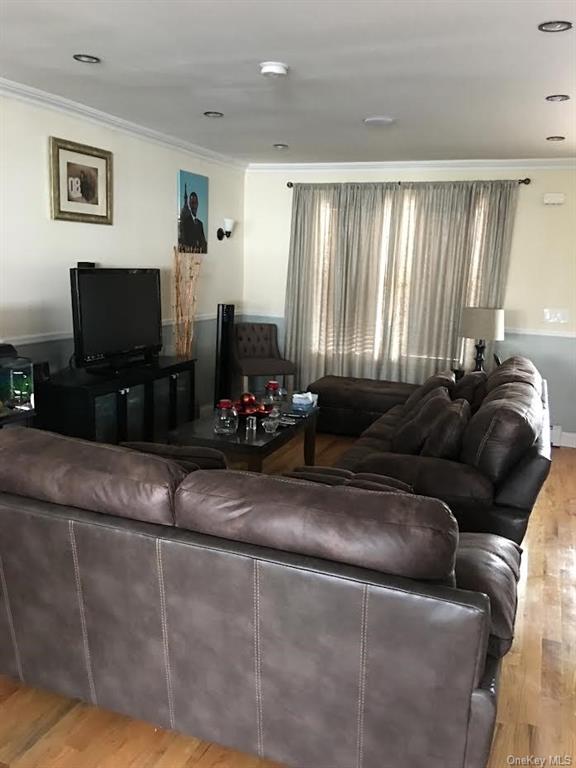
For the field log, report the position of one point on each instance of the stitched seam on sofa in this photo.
(273, 561)
(475, 670)
(440, 531)
(11, 622)
(362, 679)
(485, 439)
(167, 669)
(257, 658)
(80, 595)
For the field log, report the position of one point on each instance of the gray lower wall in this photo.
(555, 357)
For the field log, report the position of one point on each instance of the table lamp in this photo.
(483, 324)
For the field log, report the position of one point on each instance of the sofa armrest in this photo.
(451, 481)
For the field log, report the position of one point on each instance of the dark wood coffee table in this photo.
(251, 448)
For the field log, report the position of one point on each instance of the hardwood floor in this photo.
(537, 706)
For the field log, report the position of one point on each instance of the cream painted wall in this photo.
(36, 251)
(543, 261)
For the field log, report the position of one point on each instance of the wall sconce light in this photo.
(227, 230)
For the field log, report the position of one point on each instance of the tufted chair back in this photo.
(259, 340)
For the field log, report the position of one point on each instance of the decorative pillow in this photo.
(443, 379)
(410, 414)
(466, 387)
(411, 434)
(445, 439)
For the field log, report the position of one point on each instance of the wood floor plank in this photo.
(537, 705)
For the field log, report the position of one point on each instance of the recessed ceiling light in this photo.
(86, 58)
(555, 26)
(555, 138)
(273, 69)
(379, 120)
(280, 146)
(213, 113)
(558, 97)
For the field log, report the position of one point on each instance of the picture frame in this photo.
(80, 182)
(192, 205)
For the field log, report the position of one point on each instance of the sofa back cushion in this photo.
(445, 379)
(77, 473)
(507, 424)
(445, 438)
(515, 369)
(396, 533)
(411, 434)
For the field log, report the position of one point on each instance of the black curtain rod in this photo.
(527, 180)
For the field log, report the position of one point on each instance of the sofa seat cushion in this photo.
(336, 476)
(412, 432)
(395, 533)
(491, 564)
(189, 457)
(515, 369)
(455, 483)
(360, 394)
(445, 438)
(94, 476)
(362, 448)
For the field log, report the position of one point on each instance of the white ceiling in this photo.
(465, 79)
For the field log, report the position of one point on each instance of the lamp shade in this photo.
(482, 323)
(229, 225)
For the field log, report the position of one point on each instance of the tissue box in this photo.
(304, 401)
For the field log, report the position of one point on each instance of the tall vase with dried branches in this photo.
(186, 273)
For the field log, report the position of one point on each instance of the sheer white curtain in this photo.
(379, 273)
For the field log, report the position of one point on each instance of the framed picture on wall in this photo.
(80, 182)
(192, 212)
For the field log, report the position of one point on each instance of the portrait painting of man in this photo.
(192, 212)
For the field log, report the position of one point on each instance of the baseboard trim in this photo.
(568, 440)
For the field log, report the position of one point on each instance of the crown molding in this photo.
(541, 163)
(37, 97)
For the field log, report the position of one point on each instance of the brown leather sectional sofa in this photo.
(342, 625)
(481, 444)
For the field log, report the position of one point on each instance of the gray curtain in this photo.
(378, 274)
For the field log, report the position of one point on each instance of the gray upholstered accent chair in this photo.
(256, 353)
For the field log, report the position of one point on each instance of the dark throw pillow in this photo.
(412, 433)
(445, 439)
(443, 379)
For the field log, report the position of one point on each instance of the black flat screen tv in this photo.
(117, 315)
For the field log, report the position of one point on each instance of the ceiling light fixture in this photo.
(555, 26)
(558, 97)
(379, 120)
(213, 113)
(280, 146)
(86, 58)
(273, 69)
(555, 138)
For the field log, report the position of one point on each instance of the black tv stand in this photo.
(142, 401)
(117, 366)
